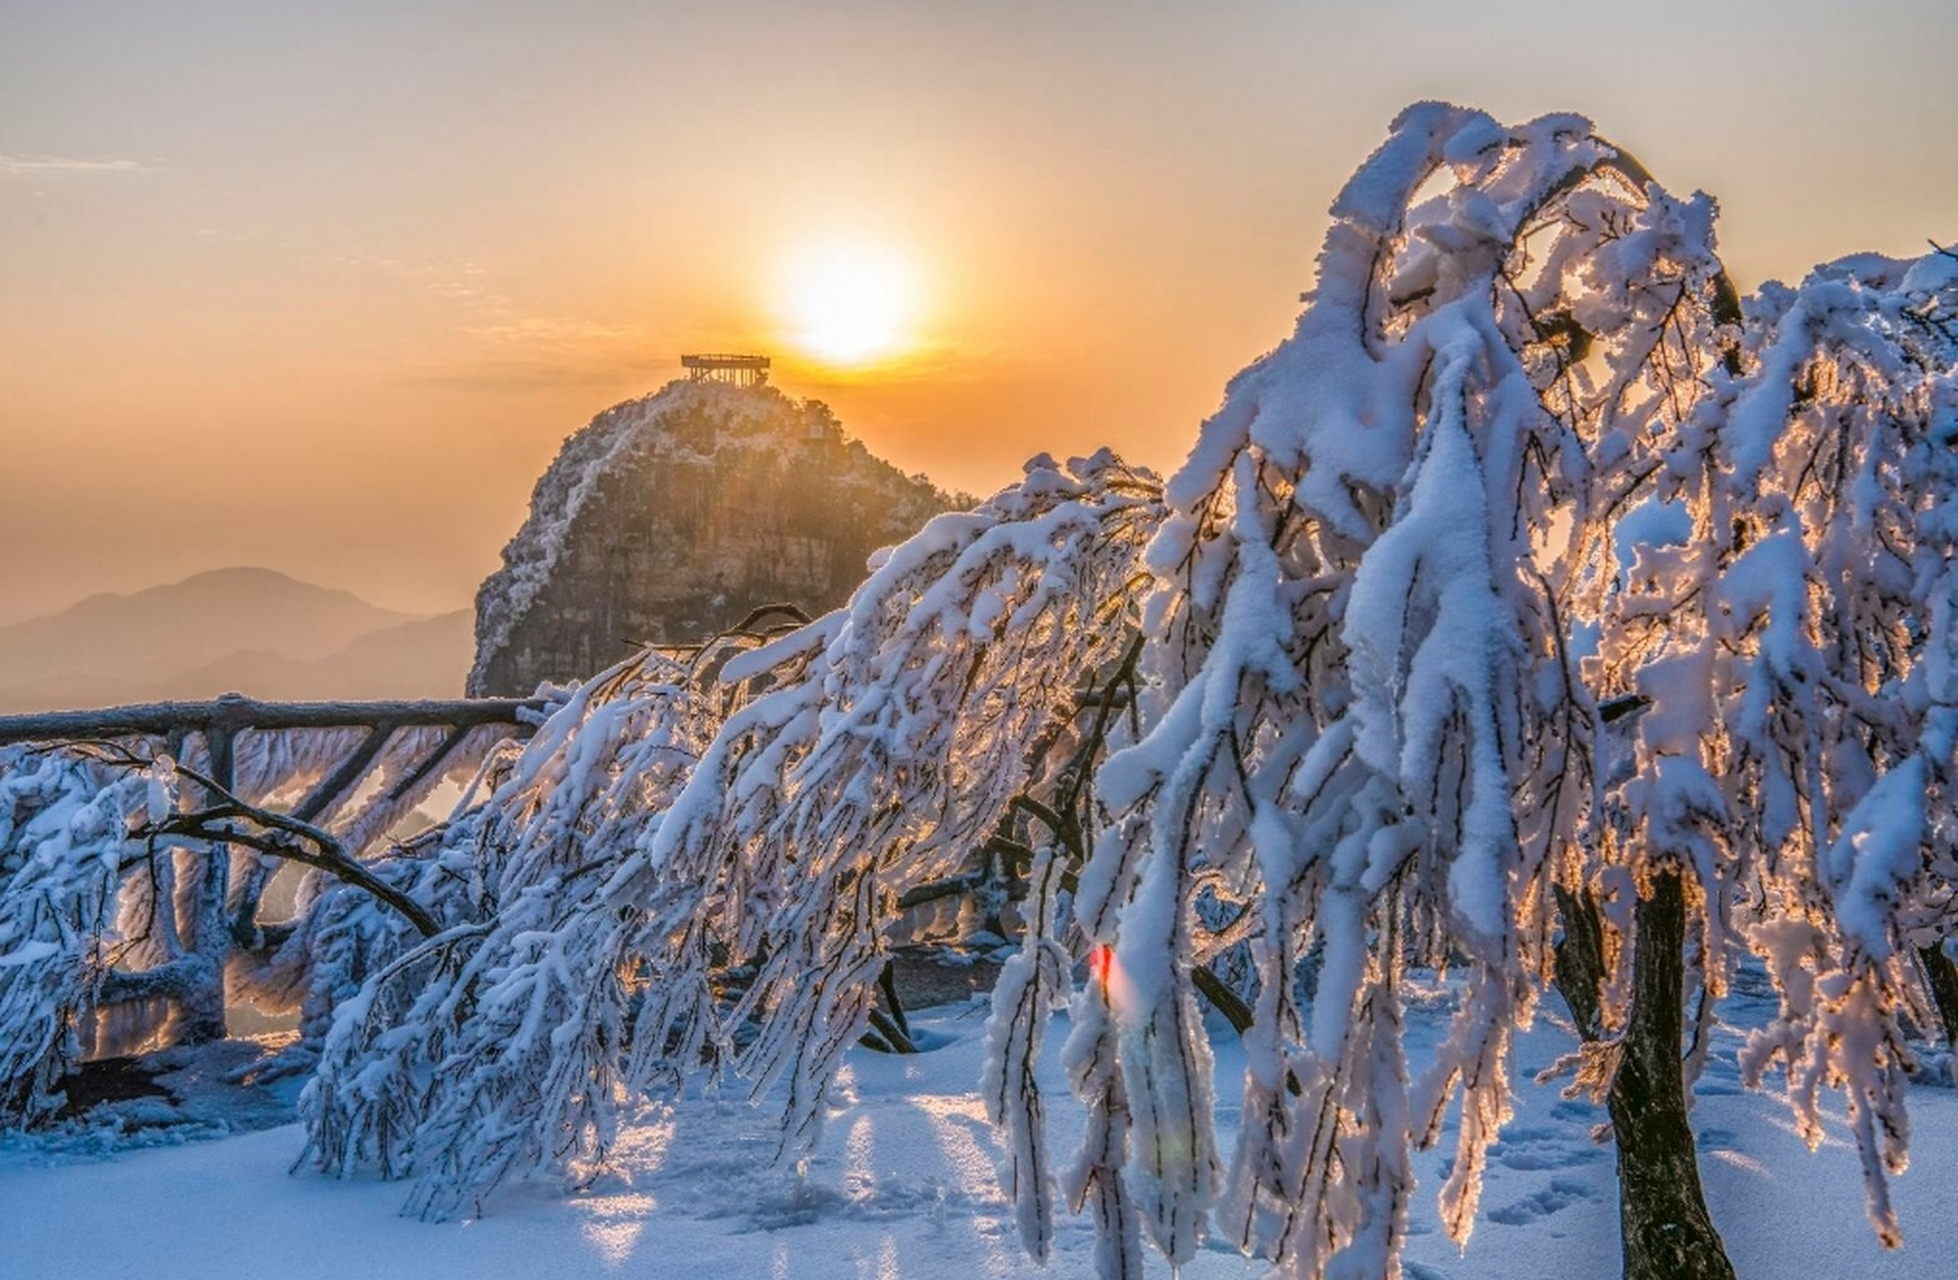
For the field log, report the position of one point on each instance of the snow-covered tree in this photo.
(131, 883)
(1421, 671)
(1395, 622)
(1536, 613)
(697, 868)
(1826, 546)
(518, 1000)
(62, 854)
(1370, 721)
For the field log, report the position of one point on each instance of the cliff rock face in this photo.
(672, 517)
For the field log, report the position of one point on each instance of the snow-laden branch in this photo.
(63, 847)
(1368, 721)
(1834, 630)
(131, 880)
(695, 867)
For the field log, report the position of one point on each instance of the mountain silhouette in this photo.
(253, 630)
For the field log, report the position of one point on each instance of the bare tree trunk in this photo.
(1943, 977)
(1668, 1233)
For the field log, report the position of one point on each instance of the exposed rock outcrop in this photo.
(671, 517)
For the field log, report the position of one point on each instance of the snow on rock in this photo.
(672, 516)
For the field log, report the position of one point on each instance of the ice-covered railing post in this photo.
(1370, 720)
(136, 845)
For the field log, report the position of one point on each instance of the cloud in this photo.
(550, 333)
(495, 342)
(57, 166)
(510, 351)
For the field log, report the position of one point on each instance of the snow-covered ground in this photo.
(904, 1187)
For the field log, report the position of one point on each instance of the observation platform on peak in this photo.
(737, 370)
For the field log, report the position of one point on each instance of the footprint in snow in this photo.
(1532, 1147)
(1577, 1111)
(1561, 1194)
(1719, 1140)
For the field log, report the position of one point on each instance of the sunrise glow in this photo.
(850, 303)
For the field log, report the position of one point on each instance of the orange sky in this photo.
(324, 290)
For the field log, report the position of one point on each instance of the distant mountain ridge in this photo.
(257, 631)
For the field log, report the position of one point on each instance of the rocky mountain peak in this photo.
(671, 517)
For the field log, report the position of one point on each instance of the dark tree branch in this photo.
(1580, 970)
(284, 836)
(887, 983)
(1942, 977)
(288, 838)
(1218, 992)
(888, 1037)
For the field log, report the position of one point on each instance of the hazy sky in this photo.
(323, 286)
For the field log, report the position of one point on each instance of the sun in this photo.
(850, 303)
